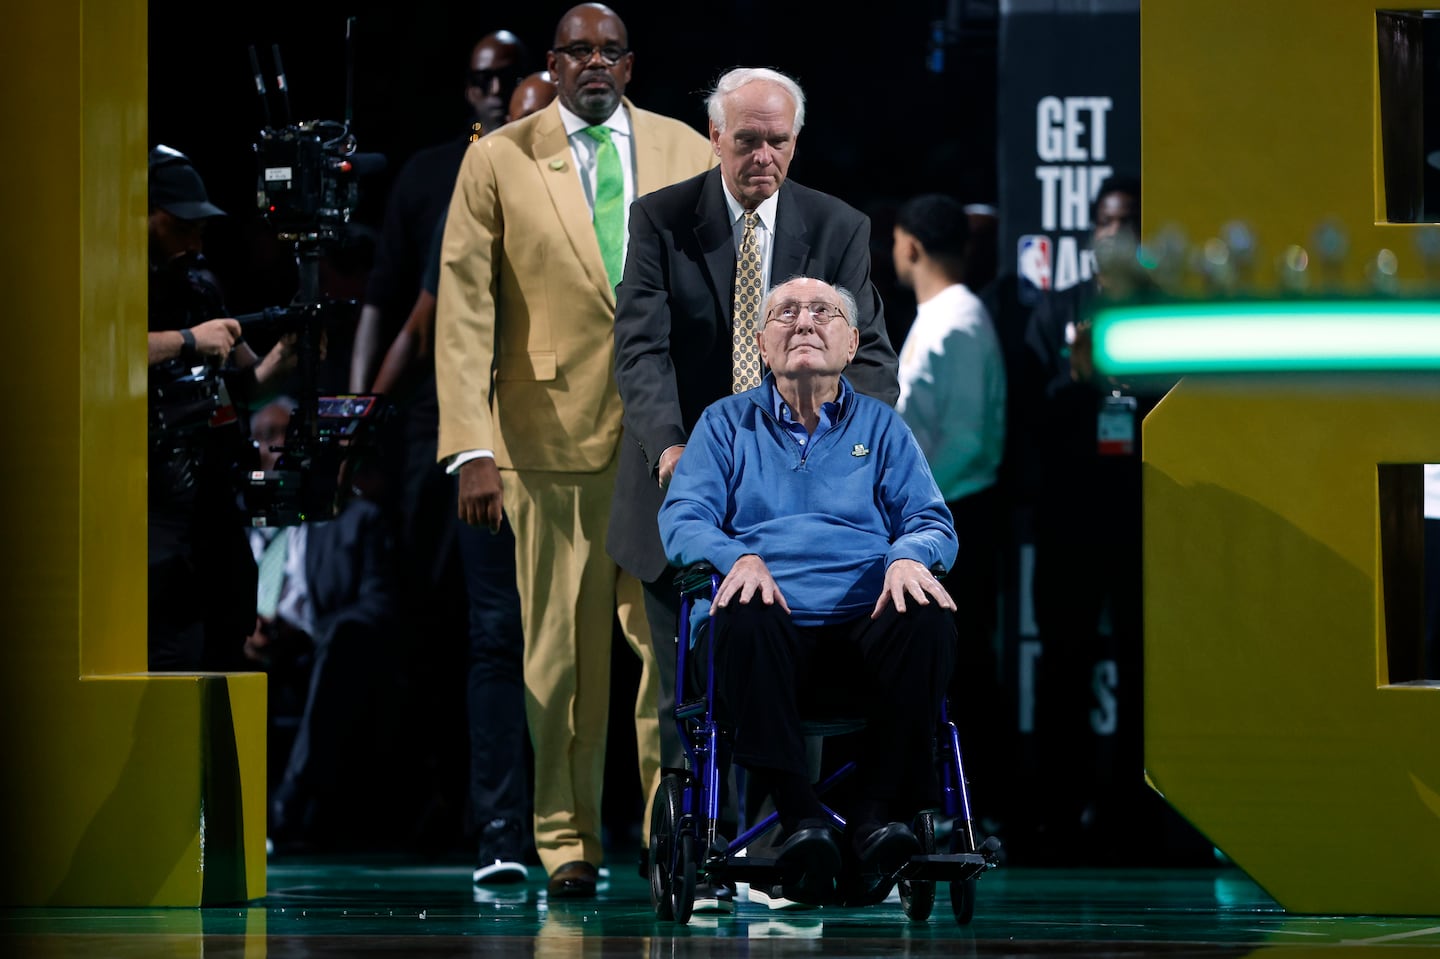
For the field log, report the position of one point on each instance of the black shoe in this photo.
(499, 872)
(808, 862)
(773, 898)
(498, 859)
(573, 880)
(715, 896)
(854, 889)
(883, 848)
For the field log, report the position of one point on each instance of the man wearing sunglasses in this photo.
(421, 192)
(421, 498)
(529, 414)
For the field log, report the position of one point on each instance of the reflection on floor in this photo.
(378, 908)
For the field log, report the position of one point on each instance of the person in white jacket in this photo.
(953, 397)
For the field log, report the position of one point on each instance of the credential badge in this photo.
(859, 450)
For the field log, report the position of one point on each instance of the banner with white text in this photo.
(1069, 89)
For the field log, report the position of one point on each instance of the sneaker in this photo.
(498, 860)
(715, 897)
(774, 898)
(500, 872)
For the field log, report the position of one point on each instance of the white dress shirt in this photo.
(952, 391)
(764, 231)
(294, 607)
(586, 150)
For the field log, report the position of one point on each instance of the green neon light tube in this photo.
(1327, 335)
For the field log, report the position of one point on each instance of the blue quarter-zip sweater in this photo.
(827, 516)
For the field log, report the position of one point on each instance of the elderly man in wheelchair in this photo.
(825, 530)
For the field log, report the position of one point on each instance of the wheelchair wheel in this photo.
(664, 828)
(917, 896)
(962, 899)
(682, 880)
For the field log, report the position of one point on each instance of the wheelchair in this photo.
(685, 847)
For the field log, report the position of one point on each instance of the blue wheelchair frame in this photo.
(683, 840)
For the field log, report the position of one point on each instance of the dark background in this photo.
(882, 124)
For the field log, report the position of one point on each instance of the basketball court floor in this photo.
(379, 908)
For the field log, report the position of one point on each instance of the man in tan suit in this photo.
(529, 411)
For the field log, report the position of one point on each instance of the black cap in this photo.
(176, 188)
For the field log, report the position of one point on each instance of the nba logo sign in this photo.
(1033, 261)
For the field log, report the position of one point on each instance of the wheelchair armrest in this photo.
(694, 578)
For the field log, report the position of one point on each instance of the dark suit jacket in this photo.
(348, 572)
(672, 328)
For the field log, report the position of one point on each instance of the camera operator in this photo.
(201, 572)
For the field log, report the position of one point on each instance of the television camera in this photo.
(307, 188)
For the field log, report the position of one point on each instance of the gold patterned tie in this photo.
(745, 319)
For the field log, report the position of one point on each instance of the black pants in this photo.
(892, 671)
(495, 694)
(339, 672)
(662, 611)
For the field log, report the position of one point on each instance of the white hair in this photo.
(737, 78)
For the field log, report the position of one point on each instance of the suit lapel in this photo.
(650, 166)
(556, 164)
(716, 236)
(792, 238)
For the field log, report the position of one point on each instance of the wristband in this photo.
(187, 346)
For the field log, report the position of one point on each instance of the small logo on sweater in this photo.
(859, 450)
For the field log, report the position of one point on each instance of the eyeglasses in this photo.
(788, 314)
(610, 54)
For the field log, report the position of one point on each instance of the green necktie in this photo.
(609, 202)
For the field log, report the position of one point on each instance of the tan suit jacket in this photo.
(524, 296)
(524, 366)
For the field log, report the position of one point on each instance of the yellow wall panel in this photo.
(1268, 720)
(1266, 112)
(104, 771)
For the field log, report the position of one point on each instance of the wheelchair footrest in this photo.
(743, 869)
(953, 867)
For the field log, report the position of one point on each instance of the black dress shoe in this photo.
(883, 848)
(808, 862)
(715, 896)
(573, 880)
